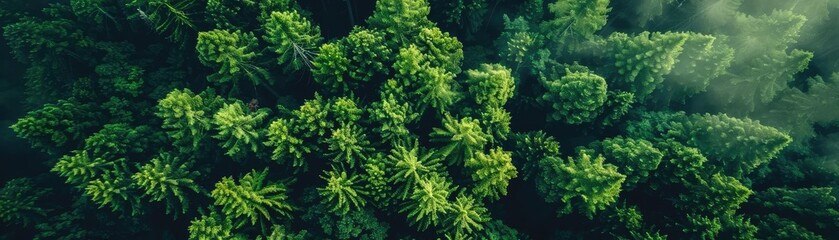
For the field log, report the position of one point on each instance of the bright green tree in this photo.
(167, 179)
(211, 226)
(330, 68)
(252, 198)
(286, 143)
(467, 215)
(575, 98)
(464, 138)
(410, 166)
(492, 173)
(368, 54)
(115, 190)
(585, 184)
(186, 115)
(232, 53)
(491, 85)
(348, 144)
(428, 203)
(239, 130)
(575, 20)
(400, 18)
(341, 193)
(443, 51)
(634, 158)
(79, 168)
(394, 117)
(438, 89)
(642, 61)
(293, 38)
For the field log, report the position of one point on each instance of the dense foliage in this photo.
(424, 119)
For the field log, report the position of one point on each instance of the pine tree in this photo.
(166, 179)
(252, 198)
(340, 193)
(293, 38)
(582, 184)
(492, 173)
(239, 131)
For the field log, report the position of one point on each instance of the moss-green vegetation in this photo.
(425, 119)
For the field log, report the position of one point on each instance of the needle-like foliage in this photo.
(233, 53)
(293, 38)
(239, 130)
(464, 138)
(492, 173)
(166, 179)
(583, 184)
(253, 199)
(429, 204)
(340, 193)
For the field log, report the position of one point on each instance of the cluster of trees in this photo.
(225, 119)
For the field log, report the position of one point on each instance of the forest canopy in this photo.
(422, 119)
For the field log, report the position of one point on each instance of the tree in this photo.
(641, 62)
(167, 178)
(252, 198)
(814, 208)
(348, 144)
(115, 189)
(774, 227)
(760, 71)
(233, 53)
(797, 111)
(340, 193)
(576, 98)
(78, 168)
(368, 54)
(19, 199)
(238, 130)
(468, 215)
(394, 117)
(186, 115)
(443, 51)
(464, 138)
(170, 17)
(120, 140)
(634, 158)
(376, 182)
(530, 148)
(286, 143)
(575, 20)
(438, 89)
(492, 173)
(497, 122)
(428, 203)
(410, 167)
(400, 18)
(211, 226)
(585, 184)
(703, 58)
(736, 146)
(330, 68)
(293, 38)
(54, 126)
(716, 195)
(491, 85)
(311, 118)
